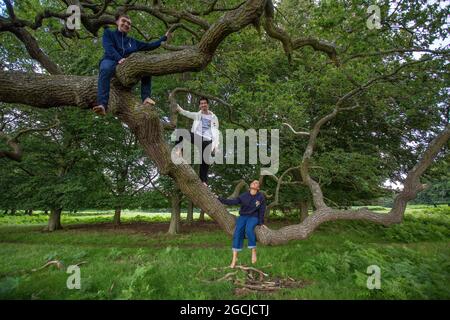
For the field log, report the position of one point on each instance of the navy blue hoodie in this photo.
(118, 45)
(250, 205)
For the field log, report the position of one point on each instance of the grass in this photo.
(414, 258)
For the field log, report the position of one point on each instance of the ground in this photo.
(138, 260)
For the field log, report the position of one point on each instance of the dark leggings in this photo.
(204, 167)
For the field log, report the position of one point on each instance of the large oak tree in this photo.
(210, 24)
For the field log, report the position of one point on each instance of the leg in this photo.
(178, 148)
(238, 238)
(254, 256)
(234, 259)
(200, 145)
(146, 90)
(250, 232)
(107, 69)
(179, 144)
(204, 165)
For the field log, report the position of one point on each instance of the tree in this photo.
(396, 64)
(55, 171)
(126, 171)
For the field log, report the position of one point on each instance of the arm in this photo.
(147, 46)
(230, 202)
(190, 115)
(108, 45)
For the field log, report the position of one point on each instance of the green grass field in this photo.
(139, 261)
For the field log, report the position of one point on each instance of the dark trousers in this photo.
(107, 69)
(204, 167)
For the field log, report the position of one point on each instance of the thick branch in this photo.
(290, 44)
(411, 187)
(13, 142)
(35, 51)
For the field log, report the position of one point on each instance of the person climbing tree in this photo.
(251, 214)
(118, 46)
(204, 133)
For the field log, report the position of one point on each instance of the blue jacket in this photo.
(118, 45)
(250, 205)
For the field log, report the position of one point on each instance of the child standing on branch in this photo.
(118, 46)
(251, 214)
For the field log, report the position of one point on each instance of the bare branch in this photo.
(290, 44)
(301, 133)
(237, 189)
(13, 142)
(35, 51)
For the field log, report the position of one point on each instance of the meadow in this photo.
(138, 260)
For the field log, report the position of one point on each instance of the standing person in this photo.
(205, 130)
(251, 214)
(117, 47)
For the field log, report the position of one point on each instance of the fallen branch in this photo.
(56, 263)
(256, 280)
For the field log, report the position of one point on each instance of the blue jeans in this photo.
(107, 69)
(244, 225)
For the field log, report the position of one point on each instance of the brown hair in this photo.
(203, 98)
(120, 15)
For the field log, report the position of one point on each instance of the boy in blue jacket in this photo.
(117, 47)
(251, 214)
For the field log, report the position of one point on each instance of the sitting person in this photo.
(251, 214)
(117, 47)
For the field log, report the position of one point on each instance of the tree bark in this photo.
(174, 227)
(54, 221)
(304, 205)
(117, 212)
(190, 213)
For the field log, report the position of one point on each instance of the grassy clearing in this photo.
(129, 264)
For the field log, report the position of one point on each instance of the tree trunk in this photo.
(304, 205)
(6, 211)
(45, 211)
(202, 215)
(267, 213)
(174, 227)
(117, 212)
(54, 221)
(13, 212)
(190, 213)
